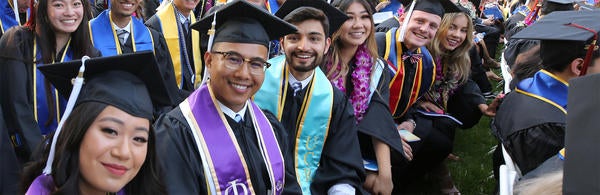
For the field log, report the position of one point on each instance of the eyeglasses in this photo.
(234, 61)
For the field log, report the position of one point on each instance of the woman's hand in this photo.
(406, 125)
(382, 5)
(430, 107)
(490, 110)
(406, 149)
(379, 183)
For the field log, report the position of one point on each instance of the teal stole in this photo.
(546, 87)
(224, 164)
(313, 119)
(105, 39)
(7, 16)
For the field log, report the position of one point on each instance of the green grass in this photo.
(472, 174)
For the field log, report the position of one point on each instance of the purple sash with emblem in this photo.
(220, 149)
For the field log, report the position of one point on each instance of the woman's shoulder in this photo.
(14, 42)
(16, 34)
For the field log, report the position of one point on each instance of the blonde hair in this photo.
(549, 183)
(336, 46)
(457, 61)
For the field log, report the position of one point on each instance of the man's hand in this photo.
(379, 183)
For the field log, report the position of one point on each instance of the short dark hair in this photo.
(549, 7)
(66, 173)
(302, 14)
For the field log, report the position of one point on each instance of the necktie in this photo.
(121, 34)
(414, 58)
(297, 86)
(237, 118)
(186, 26)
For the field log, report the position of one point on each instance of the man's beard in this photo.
(316, 62)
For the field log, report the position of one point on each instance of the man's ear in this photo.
(401, 18)
(281, 43)
(576, 66)
(207, 60)
(327, 44)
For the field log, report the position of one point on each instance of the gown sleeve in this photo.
(16, 87)
(378, 122)
(463, 104)
(163, 57)
(10, 169)
(548, 139)
(178, 156)
(341, 161)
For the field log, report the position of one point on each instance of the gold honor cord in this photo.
(35, 103)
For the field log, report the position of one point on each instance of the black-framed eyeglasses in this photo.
(234, 61)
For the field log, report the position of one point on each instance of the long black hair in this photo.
(40, 24)
(65, 168)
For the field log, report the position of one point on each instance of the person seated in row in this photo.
(218, 141)
(530, 137)
(106, 144)
(318, 117)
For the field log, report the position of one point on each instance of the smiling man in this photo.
(115, 31)
(413, 73)
(411, 63)
(318, 116)
(217, 141)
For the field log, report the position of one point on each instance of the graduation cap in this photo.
(140, 64)
(582, 163)
(130, 82)
(242, 22)
(335, 17)
(437, 7)
(565, 35)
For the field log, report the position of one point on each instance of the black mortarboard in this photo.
(335, 16)
(549, 6)
(564, 35)
(130, 82)
(242, 22)
(582, 162)
(437, 7)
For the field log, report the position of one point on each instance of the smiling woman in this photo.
(54, 33)
(106, 144)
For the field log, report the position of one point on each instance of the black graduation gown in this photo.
(16, 101)
(511, 26)
(9, 166)
(530, 129)
(340, 159)
(16, 84)
(377, 120)
(182, 165)
(464, 104)
(163, 58)
(387, 25)
(153, 23)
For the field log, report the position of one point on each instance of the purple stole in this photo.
(44, 185)
(224, 171)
